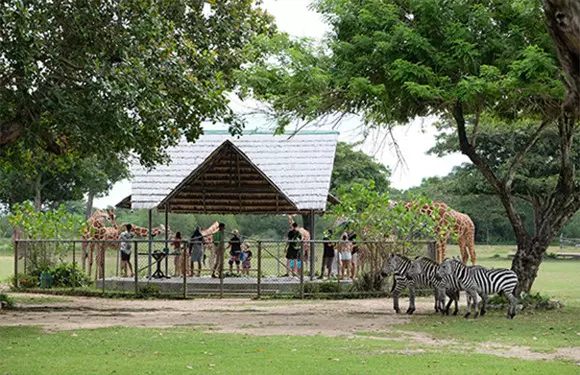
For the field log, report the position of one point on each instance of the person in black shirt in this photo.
(236, 250)
(328, 256)
(355, 250)
(293, 250)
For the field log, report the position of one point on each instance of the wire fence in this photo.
(161, 267)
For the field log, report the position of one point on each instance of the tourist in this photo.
(126, 245)
(219, 250)
(196, 251)
(328, 255)
(293, 250)
(345, 247)
(246, 260)
(235, 246)
(178, 259)
(355, 256)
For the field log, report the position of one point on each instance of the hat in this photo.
(236, 232)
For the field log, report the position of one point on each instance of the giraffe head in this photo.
(98, 219)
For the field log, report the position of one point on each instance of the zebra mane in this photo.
(401, 256)
(426, 260)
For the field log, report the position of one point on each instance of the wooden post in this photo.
(301, 258)
(16, 281)
(150, 238)
(136, 268)
(166, 238)
(312, 244)
(74, 265)
(222, 257)
(184, 269)
(259, 269)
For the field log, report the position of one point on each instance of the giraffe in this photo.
(305, 240)
(113, 233)
(208, 243)
(94, 231)
(465, 230)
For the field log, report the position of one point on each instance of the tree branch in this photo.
(509, 178)
(475, 126)
(10, 132)
(503, 193)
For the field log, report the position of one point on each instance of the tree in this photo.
(473, 63)
(352, 167)
(104, 78)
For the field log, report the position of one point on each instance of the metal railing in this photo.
(160, 267)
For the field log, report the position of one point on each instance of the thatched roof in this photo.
(256, 173)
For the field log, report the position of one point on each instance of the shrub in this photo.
(552, 255)
(6, 301)
(368, 282)
(528, 302)
(148, 290)
(329, 287)
(69, 276)
(26, 281)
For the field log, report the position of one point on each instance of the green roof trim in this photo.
(265, 132)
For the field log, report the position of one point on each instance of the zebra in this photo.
(399, 266)
(428, 269)
(495, 280)
(452, 272)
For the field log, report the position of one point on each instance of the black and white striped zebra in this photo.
(399, 266)
(450, 288)
(492, 281)
(460, 275)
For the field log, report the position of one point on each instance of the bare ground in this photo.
(272, 317)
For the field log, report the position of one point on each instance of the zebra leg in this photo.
(396, 291)
(472, 303)
(512, 308)
(411, 308)
(453, 297)
(483, 304)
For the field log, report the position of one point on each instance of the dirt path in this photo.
(273, 317)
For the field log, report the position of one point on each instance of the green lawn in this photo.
(25, 350)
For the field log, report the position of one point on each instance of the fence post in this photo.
(186, 260)
(432, 251)
(136, 268)
(260, 269)
(74, 265)
(301, 273)
(103, 267)
(16, 281)
(278, 258)
(221, 257)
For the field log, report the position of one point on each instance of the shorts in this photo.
(234, 258)
(345, 255)
(292, 253)
(298, 263)
(327, 262)
(125, 257)
(247, 264)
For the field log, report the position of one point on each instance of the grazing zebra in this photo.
(427, 268)
(492, 281)
(399, 266)
(452, 272)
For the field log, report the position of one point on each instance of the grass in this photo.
(187, 350)
(34, 300)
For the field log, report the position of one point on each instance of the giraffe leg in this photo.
(100, 262)
(463, 249)
(91, 249)
(443, 250)
(439, 248)
(472, 252)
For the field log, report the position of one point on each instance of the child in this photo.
(345, 247)
(246, 261)
(126, 244)
(178, 260)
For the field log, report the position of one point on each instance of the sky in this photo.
(295, 18)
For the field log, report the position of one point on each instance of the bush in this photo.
(69, 276)
(368, 282)
(552, 255)
(528, 302)
(26, 281)
(6, 301)
(148, 290)
(329, 287)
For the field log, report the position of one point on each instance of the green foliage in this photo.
(529, 301)
(119, 77)
(374, 217)
(6, 301)
(149, 290)
(27, 281)
(368, 283)
(57, 224)
(352, 167)
(68, 276)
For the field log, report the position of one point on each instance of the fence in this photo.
(161, 269)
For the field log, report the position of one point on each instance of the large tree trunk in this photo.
(89, 209)
(527, 262)
(37, 195)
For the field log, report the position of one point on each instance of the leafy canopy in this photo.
(111, 77)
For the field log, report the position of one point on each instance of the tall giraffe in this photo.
(114, 234)
(94, 231)
(208, 243)
(463, 227)
(465, 230)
